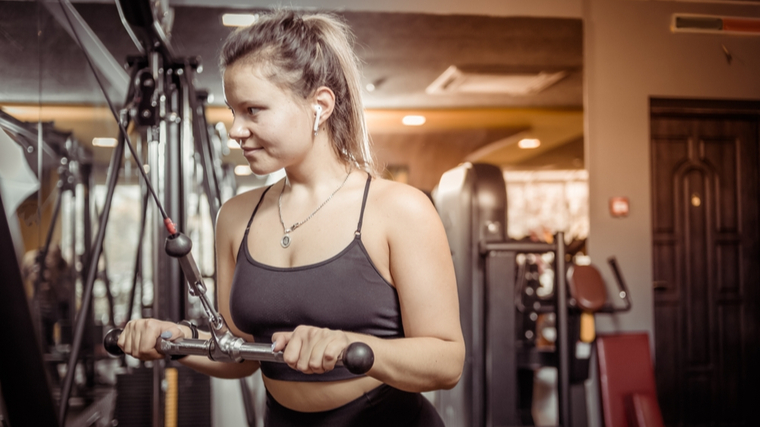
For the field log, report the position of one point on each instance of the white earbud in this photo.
(316, 121)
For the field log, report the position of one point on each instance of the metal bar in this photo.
(519, 247)
(116, 77)
(173, 290)
(250, 409)
(41, 256)
(87, 202)
(95, 414)
(127, 27)
(501, 338)
(87, 346)
(113, 177)
(25, 136)
(478, 332)
(202, 144)
(109, 294)
(562, 330)
(40, 171)
(138, 257)
(357, 357)
(622, 289)
(155, 157)
(107, 283)
(156, 63)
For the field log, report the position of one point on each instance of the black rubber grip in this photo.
(358, 358)
(110, 342)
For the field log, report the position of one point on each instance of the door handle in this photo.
(659, 285)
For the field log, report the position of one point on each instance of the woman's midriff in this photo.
(318, 396)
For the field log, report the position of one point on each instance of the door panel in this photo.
(706, 266)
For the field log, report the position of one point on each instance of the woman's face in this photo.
(272, 125)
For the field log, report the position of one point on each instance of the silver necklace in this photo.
(285, 241)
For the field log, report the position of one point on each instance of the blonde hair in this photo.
(305, 52)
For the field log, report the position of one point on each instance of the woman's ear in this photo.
(324, 103)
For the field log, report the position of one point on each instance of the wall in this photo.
(630, 56)
(554, 8)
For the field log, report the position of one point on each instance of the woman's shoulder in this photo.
(399, 199)
(238, 209)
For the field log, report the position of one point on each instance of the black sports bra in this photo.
(344, 292)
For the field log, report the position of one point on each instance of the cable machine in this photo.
(163, 106)
(45, 149)
(492, 279)
(162, 103)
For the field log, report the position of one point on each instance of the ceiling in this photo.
(402, 53)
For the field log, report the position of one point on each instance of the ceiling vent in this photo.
(456, 80)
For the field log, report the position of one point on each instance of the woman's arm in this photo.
(228, 237)
(139, 336)
(431, 355)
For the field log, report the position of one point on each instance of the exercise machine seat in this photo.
(643, 411)
(587, 287)
(626, 381)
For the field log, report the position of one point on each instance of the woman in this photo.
(331, 254)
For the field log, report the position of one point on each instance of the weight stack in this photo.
(194, 398)
(135, 396)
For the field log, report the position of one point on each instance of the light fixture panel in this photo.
(239, 19)
(456, 80)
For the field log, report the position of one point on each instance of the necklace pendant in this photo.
(285, 241)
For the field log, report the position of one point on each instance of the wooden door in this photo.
(706, 265)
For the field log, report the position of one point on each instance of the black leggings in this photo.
(384, 406)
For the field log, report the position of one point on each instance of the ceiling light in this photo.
(232, 143)
(528, 143)
(374, 84)
(104, 142)
(493, 81)
(243, 170)
(413, 120)
(239, 19)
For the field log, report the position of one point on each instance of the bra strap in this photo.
(257, 208)
(364, 203)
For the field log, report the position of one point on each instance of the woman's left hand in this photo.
(311, 350)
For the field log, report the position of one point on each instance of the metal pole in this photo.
(42, 262)
(87, 179)
(562, 329)
(109, 294)
(501, 341)
(138, 257)
(113, 177)
(202, 143)
(42, 255)
(159, 76)
(250, 410)
(172, 292)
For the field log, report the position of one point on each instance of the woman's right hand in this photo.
(140, 337)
